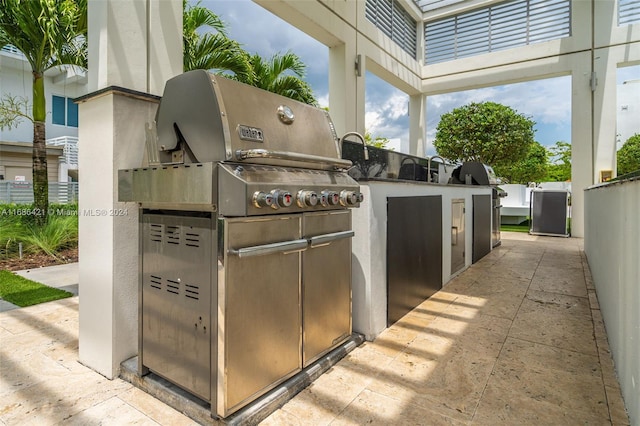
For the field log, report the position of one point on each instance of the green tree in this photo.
(206, 45)
(49, 33)
(628, 156)
(559, 168)
(488, 132)
(532, 168)
(378, 141)
(282, 74)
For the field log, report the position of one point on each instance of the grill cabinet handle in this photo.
(243, 154)
(283, 247)
(328, 238)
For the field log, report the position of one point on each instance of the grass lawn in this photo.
(514, 228)
(23, 292)
(523, 227)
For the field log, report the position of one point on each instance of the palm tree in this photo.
(49, 33)
(282, 74)
(214, 51)
(210, 51)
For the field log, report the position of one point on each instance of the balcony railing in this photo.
(70, 153)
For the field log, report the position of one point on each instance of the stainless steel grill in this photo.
(245, 239)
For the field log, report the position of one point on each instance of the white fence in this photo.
(612, 246)
(22, 192)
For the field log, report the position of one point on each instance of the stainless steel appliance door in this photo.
(457, 235)
(176, 300)
(326, 282)
(258, 307)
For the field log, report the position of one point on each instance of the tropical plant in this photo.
(532, 168)
(559, 168)
(629, 155)
(49, 33)
(282, 74)
(378, 141)
(488, 132)
(17, 226)
(206, 45)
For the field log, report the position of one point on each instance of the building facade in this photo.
(62, 85)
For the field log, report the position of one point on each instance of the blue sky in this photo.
(547, 102)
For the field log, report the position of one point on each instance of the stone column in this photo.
(134, 47)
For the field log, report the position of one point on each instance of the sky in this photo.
(547, 102)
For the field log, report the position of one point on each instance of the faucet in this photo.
(364, 144)
(444, 165)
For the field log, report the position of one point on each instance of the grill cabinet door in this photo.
(457, 235)
(176, 291)
(259, 308)
(326, 283)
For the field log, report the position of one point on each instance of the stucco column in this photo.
(126, 65)
(417, 125)
(582, 146)
(346, 89)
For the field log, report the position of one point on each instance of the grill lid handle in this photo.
(244, 154)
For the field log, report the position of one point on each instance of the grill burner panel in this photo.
(196, 187)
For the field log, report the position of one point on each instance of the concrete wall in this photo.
(612, 244)
(369, 245)
(122, 53)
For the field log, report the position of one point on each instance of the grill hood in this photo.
(207, 118)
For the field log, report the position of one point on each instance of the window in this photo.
(390, 18)
(505, 25)
(64, 111)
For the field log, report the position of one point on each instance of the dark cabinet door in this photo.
(481, 226)
(414, 252)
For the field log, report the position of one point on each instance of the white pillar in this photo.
(346, 89)
(417, 125)
(126, 63)
(582, 150)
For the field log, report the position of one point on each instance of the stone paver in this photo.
(515, 339)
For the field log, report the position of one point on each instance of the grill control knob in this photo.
(307, 198)
(348, 198)
(333, 198)
(323, 198)
(360, 197)
(261, 199)
(281, 198)
(329, 198)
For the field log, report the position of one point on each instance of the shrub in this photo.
(17, 226)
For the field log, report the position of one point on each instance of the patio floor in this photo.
(515, 339)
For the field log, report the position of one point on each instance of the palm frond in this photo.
(42, 29)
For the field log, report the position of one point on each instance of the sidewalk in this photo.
(515, 339)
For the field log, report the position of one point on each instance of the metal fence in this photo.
(22, 192)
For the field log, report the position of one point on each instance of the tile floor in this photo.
(515, 339)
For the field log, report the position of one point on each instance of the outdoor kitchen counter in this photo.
(369, 250)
